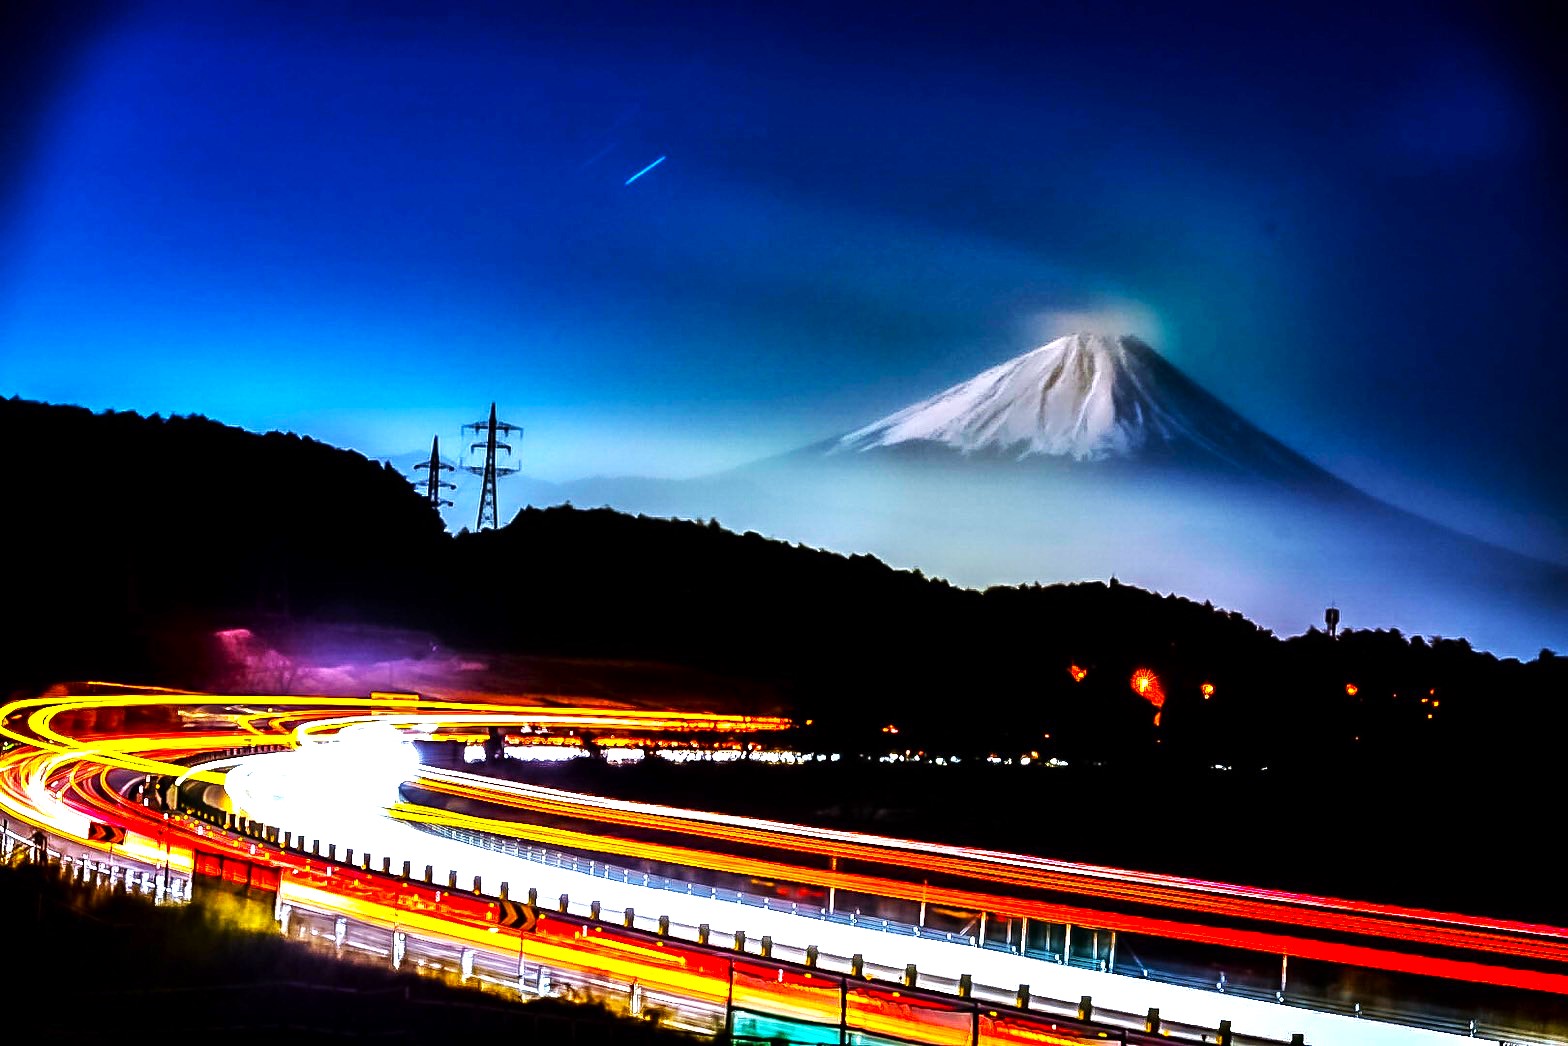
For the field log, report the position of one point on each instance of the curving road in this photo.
(342, 761)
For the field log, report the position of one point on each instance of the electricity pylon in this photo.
(490, 470)
(434, 484)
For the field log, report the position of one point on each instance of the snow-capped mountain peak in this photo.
(1083, 396)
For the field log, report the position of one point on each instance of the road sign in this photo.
(517, 916)
(98, 832)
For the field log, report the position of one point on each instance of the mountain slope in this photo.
(1087, 397)
(1093, 457)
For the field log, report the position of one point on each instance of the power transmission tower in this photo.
(434, 484)
(490, 470)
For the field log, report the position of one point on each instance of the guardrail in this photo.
(614, 873)
(83, 865)
(977, 1001)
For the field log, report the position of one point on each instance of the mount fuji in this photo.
(1094, 457)
(1087, 398)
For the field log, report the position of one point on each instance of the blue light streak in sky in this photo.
(645, 170)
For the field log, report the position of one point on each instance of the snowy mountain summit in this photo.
(1084, 397)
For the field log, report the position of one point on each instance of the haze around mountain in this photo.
(1094, 457)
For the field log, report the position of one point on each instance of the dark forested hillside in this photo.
(123, 526)
(140, 526)
(861, 646)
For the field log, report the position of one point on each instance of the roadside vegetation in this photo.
(105, 963)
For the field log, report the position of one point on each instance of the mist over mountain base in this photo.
(1278, 554)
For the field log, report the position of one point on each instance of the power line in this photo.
(490, 470)
(434, 484)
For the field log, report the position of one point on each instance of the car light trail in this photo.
(1524, 939)
(60, 780)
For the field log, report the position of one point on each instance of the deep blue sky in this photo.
(365, 222)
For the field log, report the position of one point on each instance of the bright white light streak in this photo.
(277, 795)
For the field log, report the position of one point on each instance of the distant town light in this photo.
(1352, 689)
(1077, 673)
(1208, 690)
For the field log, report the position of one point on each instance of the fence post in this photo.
(1086, 1008)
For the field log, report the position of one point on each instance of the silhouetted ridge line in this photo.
(184, 525)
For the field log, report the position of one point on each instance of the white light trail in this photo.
(279, 790)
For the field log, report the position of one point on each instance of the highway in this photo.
(337, 777)
(1499, 937)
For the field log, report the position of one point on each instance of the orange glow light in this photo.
(1077, 673)
(1208, 690)
(1147, 686)
(1351, 689)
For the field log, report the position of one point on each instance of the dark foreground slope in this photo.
(183, 526)
(221, 972)
(130, 527)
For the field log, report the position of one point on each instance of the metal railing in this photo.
(84, 865)
(1470, 1027)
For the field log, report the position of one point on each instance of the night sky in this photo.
(364, 223)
